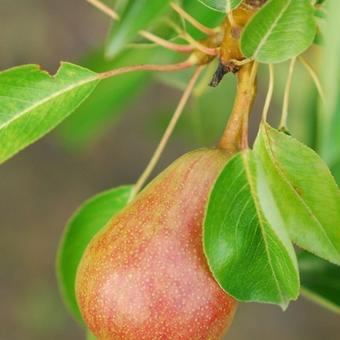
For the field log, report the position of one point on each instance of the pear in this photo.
(145, 276)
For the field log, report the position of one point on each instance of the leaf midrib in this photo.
(266, 36)
(261, 223)
(19, 114)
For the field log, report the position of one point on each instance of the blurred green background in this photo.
(42, 186)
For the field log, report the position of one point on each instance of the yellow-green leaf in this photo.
(304, 190)
(280, 30)
(32, 102)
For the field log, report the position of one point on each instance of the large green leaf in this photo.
(320, 281)
(84, 224)
(280, 30)
(305, 192)
(32, 102)
(221, 5)
(137, 15)
(251, 259)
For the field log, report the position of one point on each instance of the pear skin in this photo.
(145, 276)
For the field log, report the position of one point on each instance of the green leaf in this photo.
(221, 5)
(251, 259)
(336, 172)
(280, 30)
(32, 102)
(137, 15)
(329, 122)
(85, 223)
(320, 281)
(305, 192)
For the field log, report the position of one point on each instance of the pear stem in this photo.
(167, 134)
(235, 136)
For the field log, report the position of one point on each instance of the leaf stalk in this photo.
(284, 115)
(270, 93)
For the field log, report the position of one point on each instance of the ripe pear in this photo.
(145, 276)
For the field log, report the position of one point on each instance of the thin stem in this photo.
(285, 105)
(148, 67)
(270, 92)
(230, 14)
(174, 26)
(168, 132)
(196, 44)
(240, 62)
(314, 76)
(147, 35)
(253, 73)
(165, 43)
(191, 20)
(235, 136)
(104, 8)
